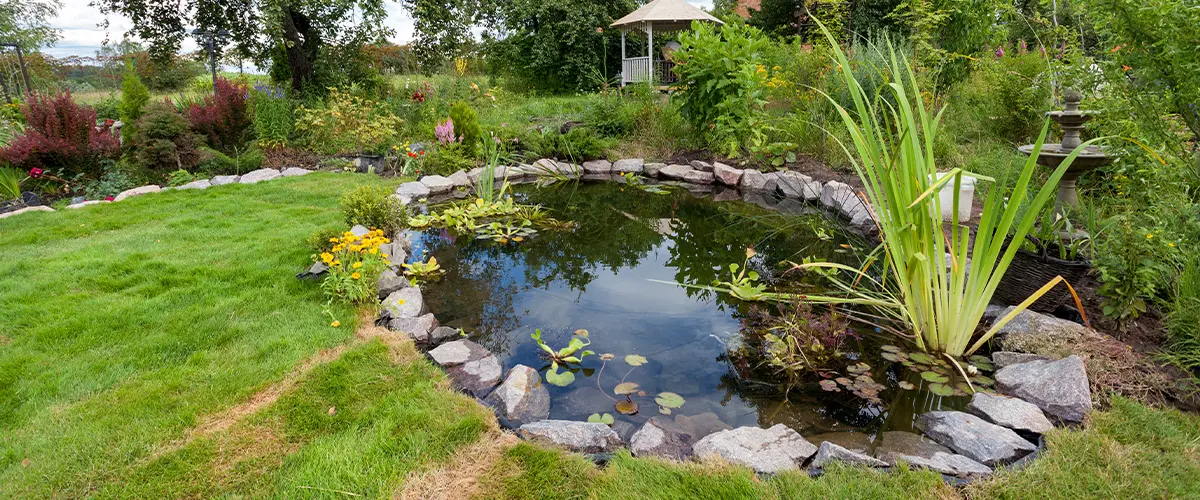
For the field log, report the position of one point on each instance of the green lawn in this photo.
(126, 326)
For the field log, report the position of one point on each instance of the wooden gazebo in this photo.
(661, 16)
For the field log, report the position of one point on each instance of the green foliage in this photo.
(374, 207)
(240, 160)
(108, 108)
(348, 123)
(117, 177)
(163, 140)
(1006, 96)
(466, 127)
(615, 113)
(322, 239)
(10, 183)
(134, 96)
(723, 90)
(355, 263)
(273, 118)
(577, 145)
(572, 354)
(179, 178)
(445, 160)
(1183, 322)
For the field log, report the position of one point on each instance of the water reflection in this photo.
(598, 277)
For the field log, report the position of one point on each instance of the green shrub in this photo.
(723, 78)
(347, 123)
(273, 117)
(134, 96)
(179, 178)
(117, 176)
(466, 127)
(213, 162)
(108, 108)
(1183, 322)
(446, 159)
(319, 242)
(374, 207)
(615, 113)
(164, 140)
(1006, 97)
(577, 145)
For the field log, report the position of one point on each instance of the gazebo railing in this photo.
(635, 69)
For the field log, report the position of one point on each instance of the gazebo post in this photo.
(623, 69)
(650, 51)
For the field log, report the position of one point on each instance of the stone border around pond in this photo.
(998, 429)
(262, 174)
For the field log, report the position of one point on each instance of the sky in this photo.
(82, 37)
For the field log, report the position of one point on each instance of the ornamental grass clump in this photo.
(355, 264)
(936, 280)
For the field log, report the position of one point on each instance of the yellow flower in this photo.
(374, 250)
(1148, 235)
(399, 302)
(333, 240)
(326, 257)
(357, 265)
(336, 323)
(1171, 244)
(337, 263)
(355, 276)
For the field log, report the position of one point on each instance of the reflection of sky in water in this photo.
(682, 336)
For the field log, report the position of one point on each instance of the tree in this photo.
(310, 33)
(26, 22)
(559, 45)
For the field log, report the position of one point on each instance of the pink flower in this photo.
(36, 172)
(109, 198)
(999, 52)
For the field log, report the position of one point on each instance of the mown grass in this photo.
(123, 322)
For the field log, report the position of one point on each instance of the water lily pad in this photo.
(829, 385)
(982, 380)
(669, 400)
(922, 358)
(606, 418)
(608, 356)
(982, 362)
(941, 389)
(891, 349)
(635, 360)
(581, 332)
(844, 381)
(625, 388)
(895, 358)
(627, 407)
(664, 410)
(561, 379)
(906, 386)
(858, 368)
(935, 377)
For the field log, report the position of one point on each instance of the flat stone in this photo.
(1002, 359)
(568, 169)
(841, 197)
(222, 180)
(798, 186)
(677, 172)
(417, 328)
(652, 169)
(583, 437)
(412, 190)
(405, 303)
(597, 167)
(834, 192)
(758, 181)
(660, 438)
(37, 208)
(853, 441)
(457, 353)
(460, 179)
(974, 438)
(765, 450)
(918, 451)
(522, 398)
(726, 174)
(698, 177)
(477, 377)
(295, 172)
(200, 184)
(727, 195)
(443, 334)
(701, 425)
(949, 464)
(1029, 330)
(1016, 414)
(437, 184)
(829, 453)
(262, 174)
(359, 230)
(1060, 388)
(701, 165)
(137, 191)
(390, 282)
(85, 204)
(316, 269)
(629, 165)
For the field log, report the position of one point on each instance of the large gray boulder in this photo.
(137, 191)
(262, 174)
(1060, 388)
(405, 303)
(390, 282)
(899, 446)
(829, 453)
(758, 181)
(199, 184)
(1004, 358)
(461, 179)
(522, 398)
(974, 438)
(359, 230)
(443, 334)
(652, 169)
(222, 180)
(702, 165)
(412, 190)
(1029, 330)
(841, 197)
(470, 366)
(597, 167)
(676, 172)
(1016, 414)
(699, 177)
(437, 184)
(295, 172)
(798, 186)
(726, 174)
(659, 437)
(765, 450)
(417, 328)
(628, 165)
(584, 437)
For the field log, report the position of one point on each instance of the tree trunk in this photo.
(302, 45)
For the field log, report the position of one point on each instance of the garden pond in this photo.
(614, 273)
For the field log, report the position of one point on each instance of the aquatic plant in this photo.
(573, 353)
(423, 272)
(504, 232)
(634, 180)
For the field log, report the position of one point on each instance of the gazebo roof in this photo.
(669, 14)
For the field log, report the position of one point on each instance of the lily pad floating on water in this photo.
(906, 386)
(625, 388)
(635, 360)
(922, 358)
(664, 410)
(581, 332)
(606, 418)
(935, 377)
(829, 385)
(563, 379)
(608, 356)
(627, 407)
(941, 389)
(669, 400)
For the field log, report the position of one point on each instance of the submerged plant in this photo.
(572, 354)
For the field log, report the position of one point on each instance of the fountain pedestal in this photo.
(1072, 121)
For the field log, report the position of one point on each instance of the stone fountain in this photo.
(1071, 120)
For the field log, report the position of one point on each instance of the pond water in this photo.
(601, 277)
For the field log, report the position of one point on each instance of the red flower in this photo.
(418, 97)
(422, 152)
(109, 198)
(36, 172)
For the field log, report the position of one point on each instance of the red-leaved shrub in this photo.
(61, 137)
(224, 120)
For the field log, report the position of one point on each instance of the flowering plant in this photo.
(348, 124)
(354, 266)
(444, 132)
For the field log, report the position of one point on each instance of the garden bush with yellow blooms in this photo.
(355, 264)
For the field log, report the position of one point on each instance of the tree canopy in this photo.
(26, 22)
